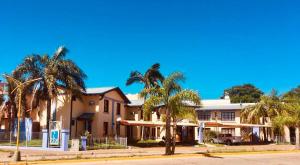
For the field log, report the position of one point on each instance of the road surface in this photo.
(241, 159)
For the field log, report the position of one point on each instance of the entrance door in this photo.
(88, 126)
(292, 135)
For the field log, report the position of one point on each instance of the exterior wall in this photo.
(156, 132)
(92, 104)
(88, 104)
(216, 117)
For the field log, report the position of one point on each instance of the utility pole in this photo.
(19, 89)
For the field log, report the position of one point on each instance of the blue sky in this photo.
(215, 43)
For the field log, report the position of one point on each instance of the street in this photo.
(241, 159)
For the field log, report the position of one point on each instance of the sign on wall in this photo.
(55, 131)
(54, 137)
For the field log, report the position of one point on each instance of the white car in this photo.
(227, 139)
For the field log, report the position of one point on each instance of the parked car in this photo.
(227, 139)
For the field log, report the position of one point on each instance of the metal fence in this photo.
(10, 138)
(94, 143)
(282, 140)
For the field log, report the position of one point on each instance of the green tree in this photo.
(292, 94)
(246, 93)
(264, 111)
(291, 100)
(56, 72)
(152, 78)
(290, 119)
(176, 102)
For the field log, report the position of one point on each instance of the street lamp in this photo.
(19, 89)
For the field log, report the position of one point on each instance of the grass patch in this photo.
(148, 142)
(111, 145)
(32, 143)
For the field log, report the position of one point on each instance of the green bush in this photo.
(147, 141)
(209, 135)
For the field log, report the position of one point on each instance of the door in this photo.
(292, 135)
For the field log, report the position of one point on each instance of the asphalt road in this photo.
(245, 159)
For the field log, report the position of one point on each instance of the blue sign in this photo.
(54, 137)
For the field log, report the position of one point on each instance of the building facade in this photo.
(108, 112)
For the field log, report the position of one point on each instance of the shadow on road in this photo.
(209, 155)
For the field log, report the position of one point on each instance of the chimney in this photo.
(226, 96)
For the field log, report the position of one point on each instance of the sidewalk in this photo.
(32, 153)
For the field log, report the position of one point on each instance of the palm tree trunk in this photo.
(48, 113)
(174, 137)
(168, 132)
(264, 130)
(297, 137)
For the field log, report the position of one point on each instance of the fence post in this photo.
(106, 144)
(10, 137)
(64, 140)
(45, 139)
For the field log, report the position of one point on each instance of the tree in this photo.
(246, 93)
(264, 111)
(176, 101)
(292, 118)
(152, 78)
(55, 72)
(292, 94)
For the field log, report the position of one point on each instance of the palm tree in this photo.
(56, 72)
(152, 78)
(265, 110)
(176, 103)
(291, 117)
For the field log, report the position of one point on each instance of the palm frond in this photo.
(171, 83)
(135, 77)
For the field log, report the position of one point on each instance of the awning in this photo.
(153, 124)
(235, 125)
(86, 116)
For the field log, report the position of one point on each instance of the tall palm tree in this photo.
(55, 72)
(291, 117)
(265, 110)
(176, 103)
(11, 104)
(152, 78)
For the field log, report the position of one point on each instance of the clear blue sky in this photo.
(216, 43)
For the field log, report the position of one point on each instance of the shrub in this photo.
(209, 135)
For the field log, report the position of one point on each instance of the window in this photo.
(106, 105)
(228, 131)
(204, 115)
(228, 116)
(142, 114)
(105, 128)
(158, 132)
(118, 109)
(153, 133)
(158, 115)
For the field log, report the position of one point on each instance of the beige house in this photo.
(219, 115)
(99, 111)
(154, 127)
(108, 112)
(222, 116)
